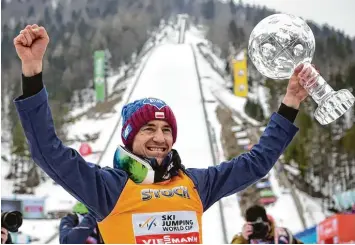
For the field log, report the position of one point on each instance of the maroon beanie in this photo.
(138, 113)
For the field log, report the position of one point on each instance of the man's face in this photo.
(154, 139)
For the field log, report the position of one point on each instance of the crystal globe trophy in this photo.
(281, 42)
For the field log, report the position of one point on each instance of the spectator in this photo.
(260, 229)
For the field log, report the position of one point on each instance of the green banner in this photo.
(267, 193)
(99, 74)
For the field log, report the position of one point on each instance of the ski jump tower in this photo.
(182, 19)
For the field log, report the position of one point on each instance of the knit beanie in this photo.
(138, 113)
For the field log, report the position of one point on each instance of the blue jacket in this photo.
(99, 188)
(70, 232)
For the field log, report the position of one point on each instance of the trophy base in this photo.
(334, 106)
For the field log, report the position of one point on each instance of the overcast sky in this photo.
(337, 13)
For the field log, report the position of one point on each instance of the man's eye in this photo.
(167, 129)
(149, 129)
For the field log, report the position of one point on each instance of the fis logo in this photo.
(181, 191)
(149, 223)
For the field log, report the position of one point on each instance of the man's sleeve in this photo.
(98, 189)
(235, 175)
(70, 233)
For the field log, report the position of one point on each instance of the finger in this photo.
(302, 82)
(306, 76)
(310, 82)
(23, 38)
(32, 34)
(16, 40)
(34, 26)
(40, 32)
(36, 31)
(28, 41)
(298, 69)
(20, 40)
(310, 76)
(28, 37)
(30, 31)
(313, 73)
(305, 72)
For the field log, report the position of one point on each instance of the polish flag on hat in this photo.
(159, 115)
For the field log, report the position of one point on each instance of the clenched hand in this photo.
(31, 45)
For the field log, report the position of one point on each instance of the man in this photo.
(169, 207)
(79, 227)
(260, 229)
(10, 222)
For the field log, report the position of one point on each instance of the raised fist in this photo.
(31, 44)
